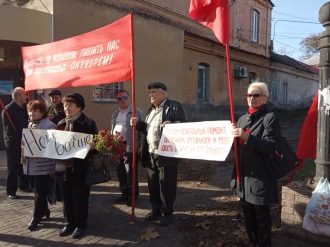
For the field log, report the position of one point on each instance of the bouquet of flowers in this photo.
(110, 144)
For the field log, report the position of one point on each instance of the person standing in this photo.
(120, 122)
(162, 171)
(75, 192)
(259, 133)
(56, 110)
(55, 114)
(12, 133)
(39, 169)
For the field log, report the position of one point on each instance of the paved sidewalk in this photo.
(108, 223)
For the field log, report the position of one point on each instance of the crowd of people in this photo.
(257, 133)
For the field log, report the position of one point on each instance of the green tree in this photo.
(309, 46)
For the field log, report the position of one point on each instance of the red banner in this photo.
(98, 57)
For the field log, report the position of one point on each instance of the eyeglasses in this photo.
(255, 95)
(122, 98)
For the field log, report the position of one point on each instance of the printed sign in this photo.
(210, 140)
(55, 144)
(6, 87)
(98, 57)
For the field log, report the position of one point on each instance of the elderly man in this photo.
(162, 171)
(56, 110)
(120, 122)
(12, 132)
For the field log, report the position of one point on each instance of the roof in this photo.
(314, 60)
(293, 62)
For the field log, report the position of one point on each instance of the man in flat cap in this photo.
(55, 114)
(162, 171)
(56, 110)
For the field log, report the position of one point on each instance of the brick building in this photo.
(169, 47)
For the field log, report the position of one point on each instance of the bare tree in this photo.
(283, 51)
(309, 46)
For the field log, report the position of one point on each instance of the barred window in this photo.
(106, 92)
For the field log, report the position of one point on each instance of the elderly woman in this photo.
(39, 169)
(258, 132)
(75, 192)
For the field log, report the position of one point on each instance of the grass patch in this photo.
(308, 170)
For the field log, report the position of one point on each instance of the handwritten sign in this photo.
(55, 144)
(210, 140)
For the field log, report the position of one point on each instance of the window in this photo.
(274, 90)
(285, 92)
(106, 92)
(252, 77)
(203, 82)
(255, 25)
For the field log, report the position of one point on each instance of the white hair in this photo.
(261, 86)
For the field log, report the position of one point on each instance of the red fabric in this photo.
(213, 14)
(242, 142)
(253, 110)
(308, 135)
(97, 57)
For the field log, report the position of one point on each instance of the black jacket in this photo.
(83, 125)
(57, 111)
(256, 187)
(173, 112)
(20, 119)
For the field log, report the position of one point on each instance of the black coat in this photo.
(82, 125)
(20, 119)
(57, 111)
(173, 112)
(257, 187)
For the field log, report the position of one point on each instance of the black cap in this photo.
(79, 98)
(157, 85)
(54, 92)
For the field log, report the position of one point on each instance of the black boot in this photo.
(33, 223)
(46, 213)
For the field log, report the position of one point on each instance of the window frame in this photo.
(255, 25)
(103, 87)
(206, 83)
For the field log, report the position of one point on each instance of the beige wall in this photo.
(158, 52)
(199, 50)
(25, 25)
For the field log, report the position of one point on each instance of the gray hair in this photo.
(261, 86)
(16, 91)
(163, 91)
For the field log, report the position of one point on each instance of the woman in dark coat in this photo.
(39, 169)
(258, 133)
(75, 192)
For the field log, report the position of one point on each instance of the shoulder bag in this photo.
(97, 172)
(283, 161)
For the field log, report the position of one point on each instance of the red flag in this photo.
(97, 57)
(214, 14)
(308, 135)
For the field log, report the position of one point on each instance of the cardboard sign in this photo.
(55, 144)
(210, 140)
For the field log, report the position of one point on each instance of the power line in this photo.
(293, 16)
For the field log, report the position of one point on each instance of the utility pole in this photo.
(323, 129)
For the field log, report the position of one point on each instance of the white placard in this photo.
(211, 140)
(55, 144)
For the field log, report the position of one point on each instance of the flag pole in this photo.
(133, 127)
(7, 114)
(232, 114)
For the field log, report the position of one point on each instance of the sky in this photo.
(288, 28)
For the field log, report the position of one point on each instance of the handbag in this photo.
(283, 161)
(97, 172)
